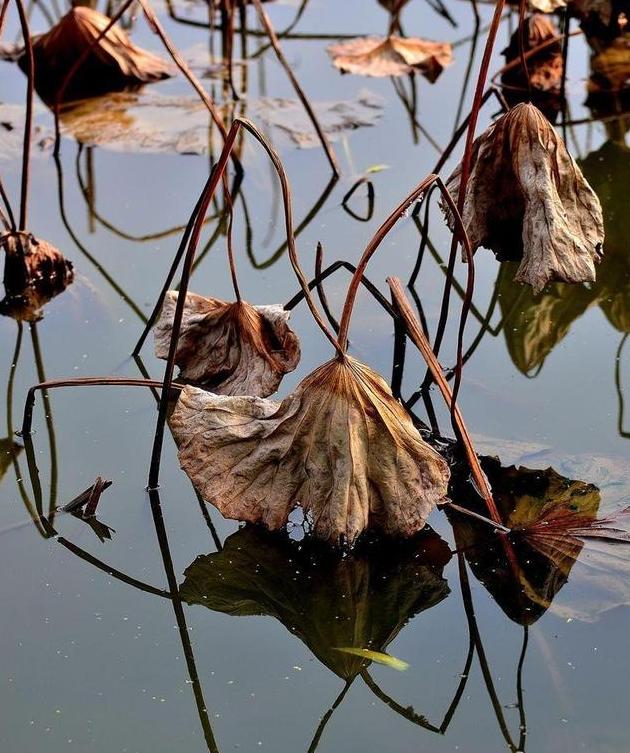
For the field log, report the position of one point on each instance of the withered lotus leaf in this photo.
(340, 447)
(391, 56)
(527, 199)
(233, 348)
(113, 61)
(32, 261)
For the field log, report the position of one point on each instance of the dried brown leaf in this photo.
(548, 216)
(233, 348)
(114, 61)
(31, 261)
(391, 56)
(340, 447)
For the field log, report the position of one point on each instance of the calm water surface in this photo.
(206, 638)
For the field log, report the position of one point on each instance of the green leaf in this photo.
(376, 656)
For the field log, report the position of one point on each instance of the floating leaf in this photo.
(140, 121)
(557, 538)
(391, 56)
(548, 216)
(12, 133)
(326, 598)
(340, 447)
(231, 348)
(376, 656)
(153, 122)
(540, 81)
(335, 118)
(112, 63)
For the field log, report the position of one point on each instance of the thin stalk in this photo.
(28, 118)
(180, 617)
(478, 100)
(50, 427)
(483, 662)
(206, 197)
(264, 18)
(321, 293)
(371, 247)
(7, 205)
(420, 341)
(169, 277)
(325, 719)
(27, 418)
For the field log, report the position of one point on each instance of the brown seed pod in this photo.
(340, 447)
(527, 199)
(232, 348)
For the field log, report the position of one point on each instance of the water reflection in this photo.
(525, 576)
(328, 600)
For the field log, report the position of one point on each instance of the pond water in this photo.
(196, 636)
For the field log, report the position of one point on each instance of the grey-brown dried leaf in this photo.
(391, 56)
(527, 200)
(31, 261)
(231, 348)
(340, 447)
(114, 61)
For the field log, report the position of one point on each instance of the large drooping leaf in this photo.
(391, 56)
(548, 217)
(340, 447)
(113, 62)
(231, 348)
(328, 600)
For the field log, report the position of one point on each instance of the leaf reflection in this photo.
(325, 599)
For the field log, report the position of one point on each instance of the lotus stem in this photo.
(264, 18)
(28, 118)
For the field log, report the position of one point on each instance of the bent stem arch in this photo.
(199, 213)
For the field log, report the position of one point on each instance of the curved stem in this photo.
(328, 150)
(372, 246)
